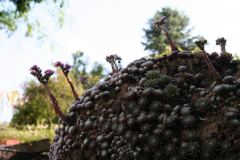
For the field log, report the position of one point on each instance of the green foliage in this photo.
(150, 84)
(227, 55)
(153, 74)
(29, 132)
(202, 104)
(176, 25)
(79, 69)
(97, 70)
(171, 90)
(236, 56)
(16, 12)
(198, 54)
(164, 80)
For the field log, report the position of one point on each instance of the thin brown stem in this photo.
(173, 47)
(116, 67)
(56, 107)
(223, 48)
(210, 66)
(89, 85)
(113, 69)
(73, 90)
(164, 121)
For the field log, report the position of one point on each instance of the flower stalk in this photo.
(160, 23)
(222, 42)
(112, 60)
(36, 72)
(83, 80)
(217, 77)
(65, 69)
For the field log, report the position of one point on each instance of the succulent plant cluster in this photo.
(173, 107)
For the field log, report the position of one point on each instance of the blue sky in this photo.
(107, 27)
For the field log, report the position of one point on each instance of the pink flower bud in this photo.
(33, 73)
(83, 79)
(67, 66)
(160, 22)
(49, 72)
(58, 64)
(34, 67)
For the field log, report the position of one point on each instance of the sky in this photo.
(101, 28)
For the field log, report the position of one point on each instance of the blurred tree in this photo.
(79, 69)
(16, 12)
(12, 98)
(37, 106)
(176, 25)
(236, 56)
(97, 70)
